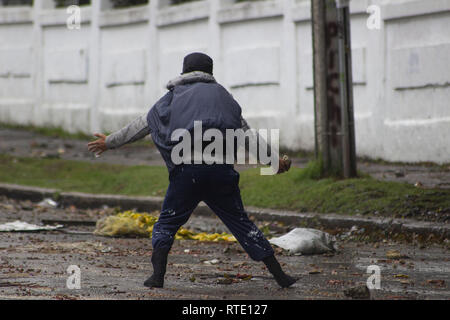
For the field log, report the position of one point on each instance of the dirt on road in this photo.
(35, 265)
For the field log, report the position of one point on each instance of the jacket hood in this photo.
(191, 77)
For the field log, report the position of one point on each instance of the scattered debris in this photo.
(7, 207)
(240, 264)
(244, 276)
(48, 203)
(335, 282)
(395, 254)
(356, 230)
(306, 241)
(234, 278)
(352, 233)
(213, 261)
(401, 276)
(203, 236)
(106, 250)
(437, 283)
(130, 223)
(224, 281)
(315, 271)
(19, 226)
(119, 226)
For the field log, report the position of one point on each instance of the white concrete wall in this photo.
(117, 65)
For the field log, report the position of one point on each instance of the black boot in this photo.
(159, 261)
(275, 269)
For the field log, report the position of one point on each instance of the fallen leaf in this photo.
(224, 281)
(244, 276)
(335, 282)
(315, 271)
(437, 283)
(395, 254)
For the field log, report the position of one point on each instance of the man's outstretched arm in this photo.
(134, 131)
(284, 163)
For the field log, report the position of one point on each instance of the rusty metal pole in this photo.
(333, 97)
(320, 79)
(346, 88)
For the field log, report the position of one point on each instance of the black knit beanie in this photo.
(198, 62)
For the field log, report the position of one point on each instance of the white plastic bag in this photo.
(306, 241)
(18, 226)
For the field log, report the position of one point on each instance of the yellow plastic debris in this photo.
(119, 226)
(130, 223)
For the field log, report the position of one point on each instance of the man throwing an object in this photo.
(196, 96)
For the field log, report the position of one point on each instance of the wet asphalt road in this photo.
(34, 265)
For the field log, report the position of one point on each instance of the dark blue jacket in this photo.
(208, 102)
(194, 96)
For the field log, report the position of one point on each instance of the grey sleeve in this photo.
(134, 131)
(244, 124)
(254, 137)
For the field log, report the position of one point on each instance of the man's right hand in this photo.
(98, 146)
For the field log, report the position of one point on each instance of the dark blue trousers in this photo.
(218, 187)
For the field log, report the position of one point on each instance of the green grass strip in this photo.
(296, 190)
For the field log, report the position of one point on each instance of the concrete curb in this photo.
(84, 201)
